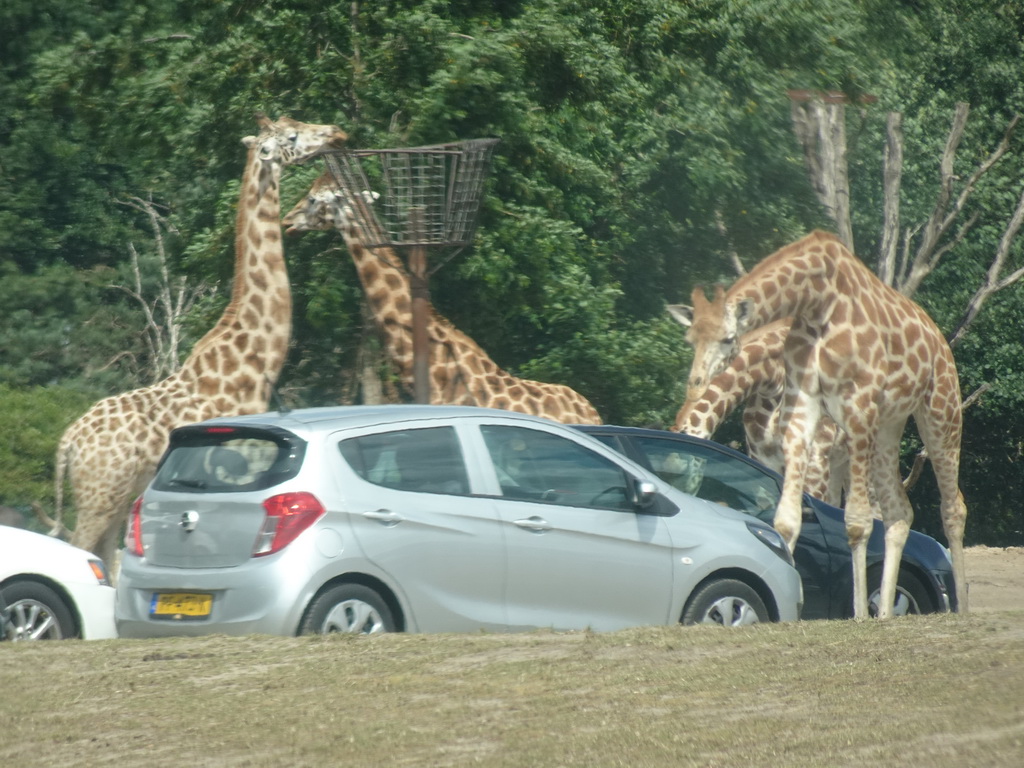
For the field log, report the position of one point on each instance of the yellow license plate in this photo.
(180, 605)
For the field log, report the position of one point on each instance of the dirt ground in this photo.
(996, 578)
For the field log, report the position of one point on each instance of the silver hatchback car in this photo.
(430, 519)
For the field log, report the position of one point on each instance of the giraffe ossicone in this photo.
(461, 373)
(110, 453)
(865, 356)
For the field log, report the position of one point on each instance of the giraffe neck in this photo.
(455, 358)
(387, 289)
(757, 375)
(242, 355)
(801, 279)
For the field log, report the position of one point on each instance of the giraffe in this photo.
(756, 376)
(111, 452)
(867, 357)
(461, 373)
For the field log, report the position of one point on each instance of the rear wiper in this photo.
(186, 483)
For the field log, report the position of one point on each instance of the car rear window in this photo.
(228, 459)
(422, 460)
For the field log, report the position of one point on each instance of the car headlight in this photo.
(771, 539)
(99, 570)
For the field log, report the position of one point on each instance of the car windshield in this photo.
(713, 475)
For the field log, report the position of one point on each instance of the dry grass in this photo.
(932, 690)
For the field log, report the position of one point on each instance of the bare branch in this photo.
(942, 216)
(177, 36)
(734, 258)
(164, 313)
(993, 282)
(892, 174)
(933, 227)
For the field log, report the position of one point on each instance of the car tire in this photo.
(911, 596)
(351, 608)
(36, 612)
(727, 602)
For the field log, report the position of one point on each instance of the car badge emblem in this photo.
(189, 521)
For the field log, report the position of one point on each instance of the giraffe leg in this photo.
(897, 514)
(943, 446)
(800, 417)
(860, 430)
(109, 548)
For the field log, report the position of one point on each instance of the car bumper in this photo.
(257, 598)
(95, 606)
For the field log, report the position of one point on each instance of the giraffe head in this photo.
(285, 141)
(324, 207)
(713, 330)
(318, 210)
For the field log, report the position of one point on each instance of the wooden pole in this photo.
(420, 291)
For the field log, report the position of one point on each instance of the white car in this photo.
(50, 590)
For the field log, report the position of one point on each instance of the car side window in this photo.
(539, 466)
(713, 476)
(422, 460)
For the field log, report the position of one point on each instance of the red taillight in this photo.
(288, 515)
(133, 536)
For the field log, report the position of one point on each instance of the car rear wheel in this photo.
(911, 596)
(36, 612)
(727, 602)
(348, 608)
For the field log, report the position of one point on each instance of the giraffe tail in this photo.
(55, 524)
(56, 527)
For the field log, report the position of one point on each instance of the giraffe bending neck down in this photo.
(756, 377)
(461, 373)
(867, 357)
(110, 453)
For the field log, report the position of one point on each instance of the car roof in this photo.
(611, 429)
(343, 416)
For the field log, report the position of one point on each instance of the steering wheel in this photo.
(617, 489)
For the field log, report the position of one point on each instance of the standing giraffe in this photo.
(757, 377)
(867, 357)
(110, 453)
(461, 373)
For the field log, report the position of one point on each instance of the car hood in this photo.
(24, 551)
(687, 503)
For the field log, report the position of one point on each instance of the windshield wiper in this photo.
(199, 485)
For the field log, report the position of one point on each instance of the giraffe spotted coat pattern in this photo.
(111, 452)
(869, 358)
(461, 372)
(756, 378)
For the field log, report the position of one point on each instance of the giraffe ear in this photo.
(681, 313)
(744, 316)
(249, 141)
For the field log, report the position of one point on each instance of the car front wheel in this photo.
(349, 608)
(727, 602)
(911, 596)
(36, 612)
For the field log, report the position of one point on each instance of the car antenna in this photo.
(275, 397)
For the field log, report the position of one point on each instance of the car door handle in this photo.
(385, 516)
(535, 524)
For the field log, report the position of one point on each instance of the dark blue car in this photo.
(721, 475)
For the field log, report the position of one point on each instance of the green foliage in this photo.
(641, 142)
(31, 422)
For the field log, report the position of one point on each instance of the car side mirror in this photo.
(644, 493)
(648, 501)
